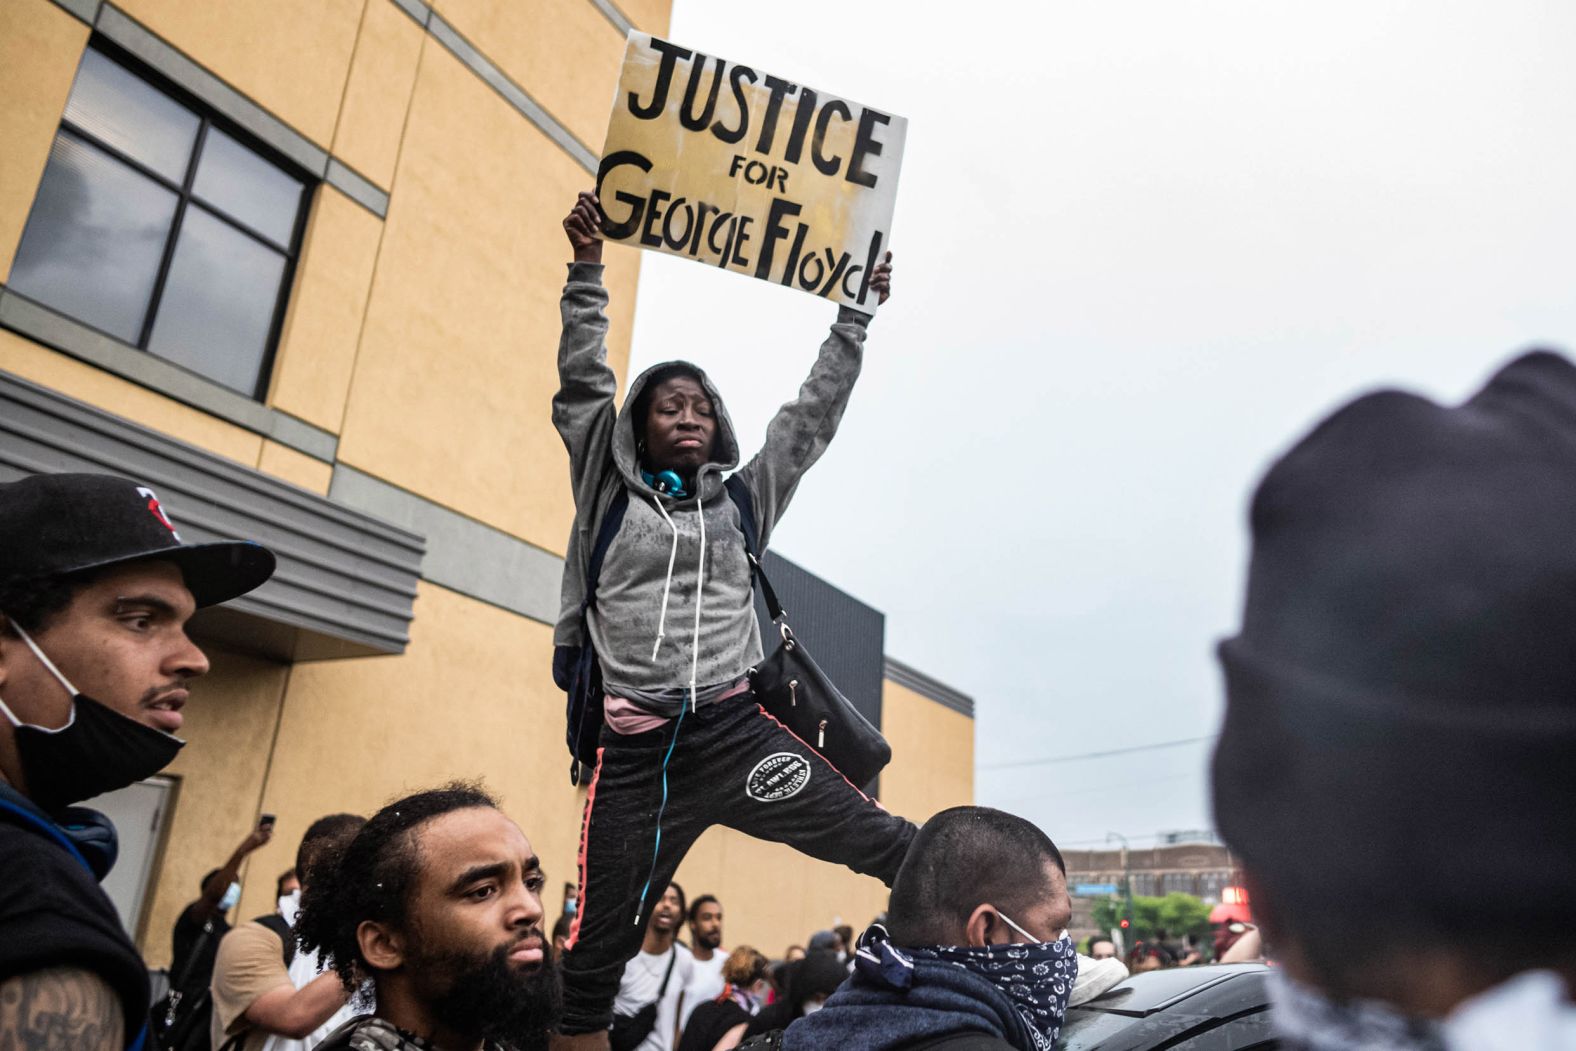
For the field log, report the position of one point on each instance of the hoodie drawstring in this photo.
(700, 591)
(700, 595)
(667, 585)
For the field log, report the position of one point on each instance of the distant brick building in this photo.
(1200, 869)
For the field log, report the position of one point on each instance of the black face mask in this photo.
(97, 751)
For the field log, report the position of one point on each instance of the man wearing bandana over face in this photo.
(975, 953)
(96, 587)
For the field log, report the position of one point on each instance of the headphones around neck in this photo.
(666, 482)
(86, 835)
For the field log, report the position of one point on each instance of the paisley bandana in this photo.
(1037, 977)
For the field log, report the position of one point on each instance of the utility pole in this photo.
(1127, 896)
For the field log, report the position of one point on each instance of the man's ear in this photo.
(981, 925)
(381, 946)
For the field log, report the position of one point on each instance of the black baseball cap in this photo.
(52, 524)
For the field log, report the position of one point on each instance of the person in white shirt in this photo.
(656, 978)
(705, 928)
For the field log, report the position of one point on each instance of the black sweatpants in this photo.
(733, 765)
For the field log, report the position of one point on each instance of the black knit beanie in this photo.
(1401, 699)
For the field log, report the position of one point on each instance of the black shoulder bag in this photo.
(796, 692)
(185, 1028)
(630, 1031)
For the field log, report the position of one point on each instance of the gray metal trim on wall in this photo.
(69, 336)
(512, 93)
(611, 12)
(463, 554)
(346, 582)
(148, 47)
(116, 25)
(925, 686)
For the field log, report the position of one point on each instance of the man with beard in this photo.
(437, 905)
(705, 927)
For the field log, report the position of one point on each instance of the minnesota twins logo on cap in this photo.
(158, 511)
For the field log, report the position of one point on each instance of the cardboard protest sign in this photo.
(740, 169)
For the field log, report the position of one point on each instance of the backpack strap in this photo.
(276, 923)
(612, 522)
(740, 493)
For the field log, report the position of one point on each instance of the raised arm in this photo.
(583, 409)
(803, 428)
(213, 890)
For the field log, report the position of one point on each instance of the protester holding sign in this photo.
(684, 745)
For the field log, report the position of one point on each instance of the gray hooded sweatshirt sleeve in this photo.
(658, 630)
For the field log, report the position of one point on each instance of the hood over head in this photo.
(627, 431)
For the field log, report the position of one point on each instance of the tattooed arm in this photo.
(60, 1009)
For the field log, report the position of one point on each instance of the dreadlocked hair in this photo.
(372, 876)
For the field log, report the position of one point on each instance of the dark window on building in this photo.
(159, 227)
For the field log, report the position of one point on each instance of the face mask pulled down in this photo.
(97, 751)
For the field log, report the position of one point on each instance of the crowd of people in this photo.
(1401, 713)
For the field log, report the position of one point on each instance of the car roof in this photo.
(1154, 991)
(1155, 1008)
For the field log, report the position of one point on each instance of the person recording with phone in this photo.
(203, 922)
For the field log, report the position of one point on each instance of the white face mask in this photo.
(812, 1006)
(232, 894)
(290, 906)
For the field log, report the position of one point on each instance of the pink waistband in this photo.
(625, 717)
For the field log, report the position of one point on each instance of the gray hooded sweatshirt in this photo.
(674, 613)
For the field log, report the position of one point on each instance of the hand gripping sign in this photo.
(724, 164)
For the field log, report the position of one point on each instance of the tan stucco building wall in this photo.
(422, 341)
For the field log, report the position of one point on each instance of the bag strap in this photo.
(612, 522)
(663, 991)
(276, 923)
(191, 960)
(740, 494)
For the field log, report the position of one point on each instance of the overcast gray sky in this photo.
(1140, 247)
